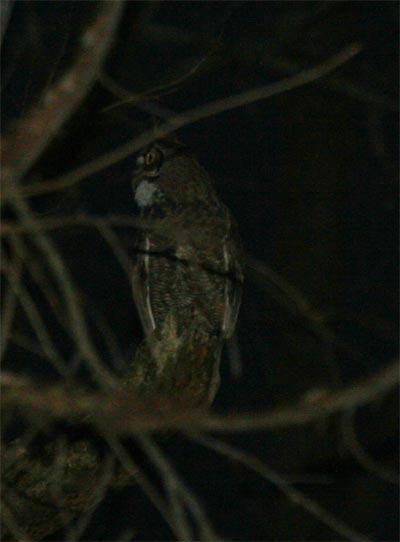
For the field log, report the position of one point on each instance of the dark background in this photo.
(311, 177)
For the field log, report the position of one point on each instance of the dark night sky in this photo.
(311, 177)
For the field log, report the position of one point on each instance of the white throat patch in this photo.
(144, 194)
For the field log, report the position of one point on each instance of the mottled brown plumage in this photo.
(189, 264)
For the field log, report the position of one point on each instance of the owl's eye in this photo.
(153, 158)
(150, 158)
(151, 161)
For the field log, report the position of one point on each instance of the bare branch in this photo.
(9, 307)
(293, 494)
(135, 415)
(30, 135)
(288, 296)
(60, 222)
(34, 318)
(133, 470)
(115, 245)
(342, 85)
(360, 453)
(36, 269)
(76, 317)
(171, 477)
(194, 115)
(103, 484)
(127, 97)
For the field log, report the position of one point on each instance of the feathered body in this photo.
(188, 262)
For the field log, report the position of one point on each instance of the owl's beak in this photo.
(140, 174)
(152, 173)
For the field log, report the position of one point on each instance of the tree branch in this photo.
(128, 414)
(193, 115)
(32, 133)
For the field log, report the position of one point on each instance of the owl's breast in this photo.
(149, 194)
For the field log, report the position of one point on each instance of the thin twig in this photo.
(35, 319)
(9, 306)
(134, 416)
(31, 135)
(177, 511)
(360, 453)
(342, 85)
(139, 476)
(115, 353)
(27, 344)
(354, 396)
(35, 267)
(99, 492)
(76, 317)
(193, 115)
(169, 474)
(23, 145)
(116, 246)
(127, 97)
(253, 463)
(130, 98)
(296, 303)
(288, 296)
(60, 222)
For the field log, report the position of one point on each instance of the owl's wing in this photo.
(220, 252)
(233, 298)
(233, 258)
(141, 289)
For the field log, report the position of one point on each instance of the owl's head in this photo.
(169, 179)
(152, 157)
